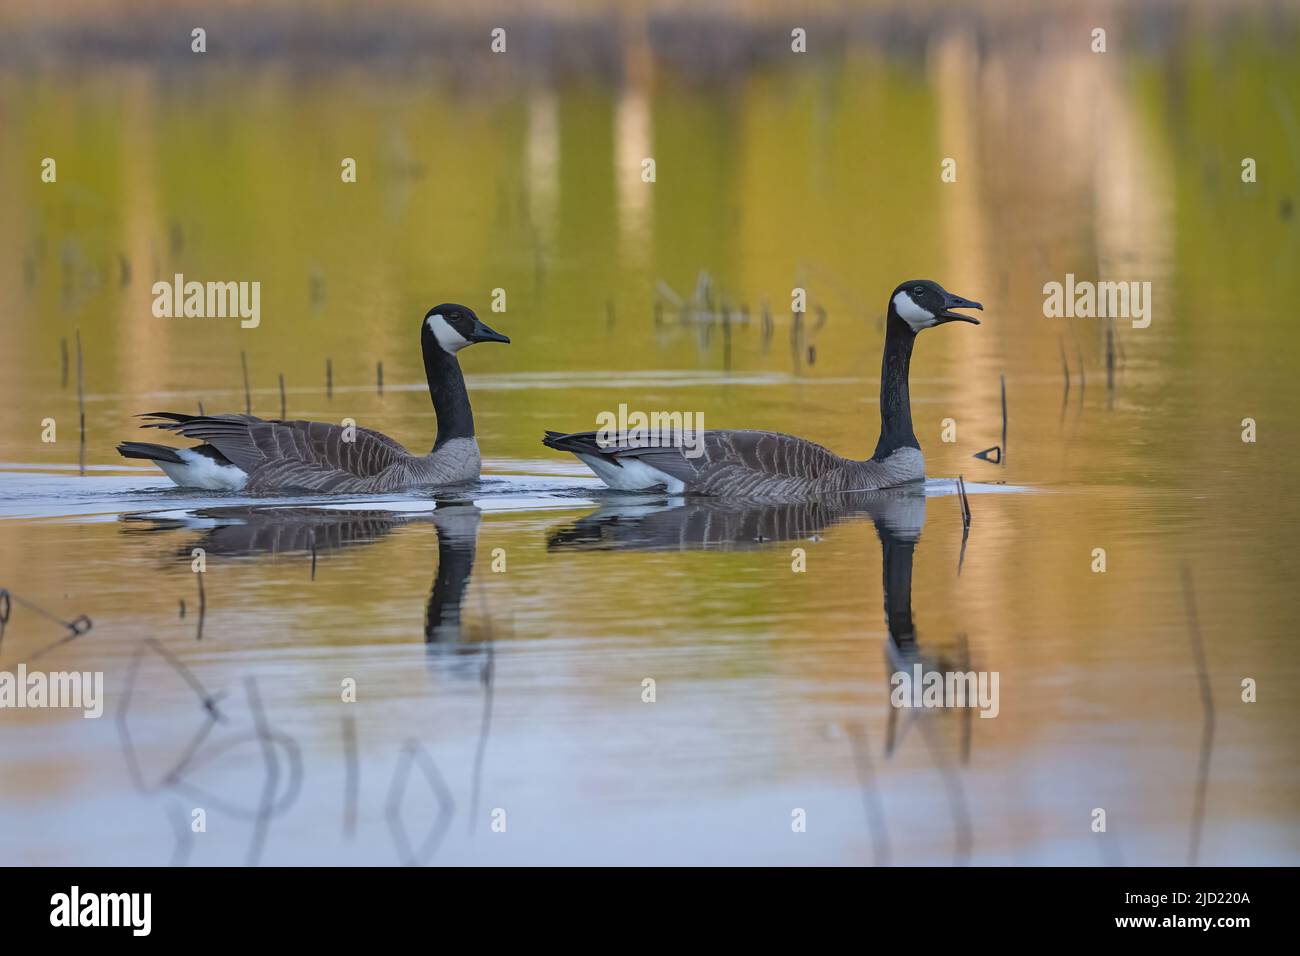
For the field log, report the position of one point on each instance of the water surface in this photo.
(500, 635)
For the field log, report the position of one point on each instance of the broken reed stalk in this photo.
(203, 607)
(81, 402)
(248, 396)
(379, 378)
(282, 416)
(329, 379)
(1002, 455)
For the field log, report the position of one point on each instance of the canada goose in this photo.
(770, 465)
(242, 452)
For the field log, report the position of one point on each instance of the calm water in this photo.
(499, 636)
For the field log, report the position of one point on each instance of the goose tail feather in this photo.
(149, 452)
(578, 443)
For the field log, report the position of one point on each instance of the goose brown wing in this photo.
(752, 452)
(290, 448)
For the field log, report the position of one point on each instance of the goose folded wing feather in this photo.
(253, 444)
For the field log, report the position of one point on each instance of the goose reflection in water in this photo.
(252, 531)
(680, 524)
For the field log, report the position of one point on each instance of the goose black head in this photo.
(923, 304)
(451, 327)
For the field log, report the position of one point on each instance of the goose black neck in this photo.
(895, 403)
(443, 612)
(447, 389)
(896, 555)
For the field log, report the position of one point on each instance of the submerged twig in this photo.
(965, 521)
(81, 403)
(79, 625)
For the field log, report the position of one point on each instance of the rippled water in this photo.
(500, 636)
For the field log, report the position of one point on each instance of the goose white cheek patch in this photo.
(448, 338)
(911, 313)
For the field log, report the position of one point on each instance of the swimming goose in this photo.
(243, 452)
(764, 464)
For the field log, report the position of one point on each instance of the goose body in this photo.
(763, 464)
(243, 452)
